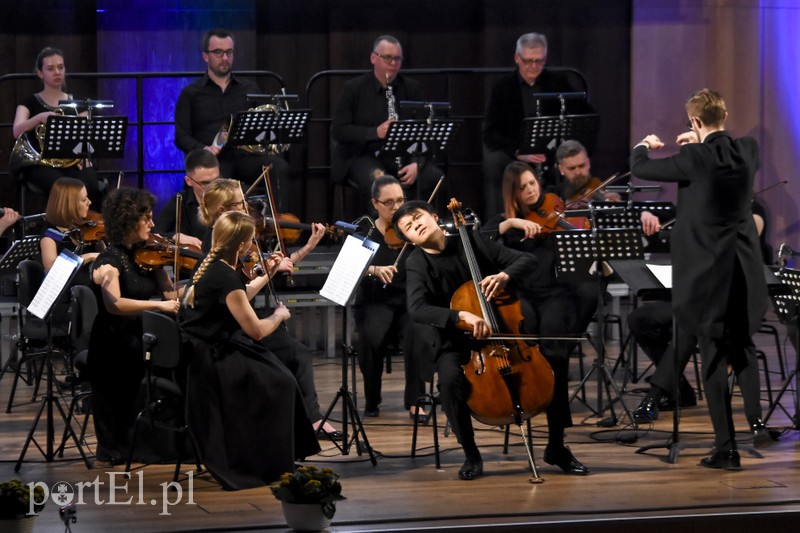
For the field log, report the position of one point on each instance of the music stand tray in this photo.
(421, 138)
(96, 137)
(541, 134)
(265, 127)
(27, 248)
(577, 250)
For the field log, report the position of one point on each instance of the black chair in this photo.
(83, 311)
(30, 349)
(428, 401)
(164, 394)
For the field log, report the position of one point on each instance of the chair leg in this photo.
(763, 358)
(697, 376)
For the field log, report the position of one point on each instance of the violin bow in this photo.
(264, 173)
(280, 245)
(175, 268)
(590, 192)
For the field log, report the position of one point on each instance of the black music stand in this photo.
(265, 127)
(85, 137)
(431, 139)
(541, 134)
(340, 287)
(26, 248)
(582, 255)
(787, 306)
(608, 217)
(52, 290)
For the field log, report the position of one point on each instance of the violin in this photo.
(392, 240)
(510, 381)
(93, 228)
(594, 191)
(289, 227)
(159, 251)
(251, 265)
(550, 216)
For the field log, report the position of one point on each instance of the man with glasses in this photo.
(510, 102)
(366, 108)
(202, 169)
(208, 104)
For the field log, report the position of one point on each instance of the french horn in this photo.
(221, 138)
(25, 155)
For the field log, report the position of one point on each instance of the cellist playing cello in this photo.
(436, 269)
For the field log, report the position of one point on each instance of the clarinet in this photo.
(390, 104)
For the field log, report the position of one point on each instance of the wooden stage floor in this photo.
(626, 491)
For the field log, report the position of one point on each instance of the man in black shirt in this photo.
(202, 168)
(363, 114)
(209, 103)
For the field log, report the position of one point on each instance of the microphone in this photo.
(30, 219)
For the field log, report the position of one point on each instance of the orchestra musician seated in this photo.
(246, 409)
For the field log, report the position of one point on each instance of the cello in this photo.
(510, 381)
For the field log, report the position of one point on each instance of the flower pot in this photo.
(305, 516)
(17, 525)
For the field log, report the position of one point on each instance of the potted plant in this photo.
(15, 505)
(308, 497)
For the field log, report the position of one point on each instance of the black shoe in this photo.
(422, 418)
(761, 436)
(668, 404)
(728, 460)
(564, 459)
(646, 412)
(471, 469)
(372, 413)
(333, 435)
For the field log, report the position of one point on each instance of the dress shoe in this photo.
(333, 435)
(729, 460)
(668, 404)
(761, 436)
(564, 459)
(372, 413)
(472, 468)
(646, 412)
(422, 418)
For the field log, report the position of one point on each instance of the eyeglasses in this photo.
(389, 204)
(389, 59)
(202, 183)
(239, 204)
(219, 53)
(690, 125)
(530, 62)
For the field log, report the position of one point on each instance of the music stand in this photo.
(631, 218)
(52, 290)
(85, 137)
(420, 138)
(348, 269)
(265, 127)
(541, 134)
(26, 248)
(787, 306)
(581, 255)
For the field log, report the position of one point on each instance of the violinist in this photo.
(124, 290)
(380, 308)
(252, 395)
(225, 195)
(551, 308)
(576, 180)
(202, 168)
(436, 269)
(67, 212)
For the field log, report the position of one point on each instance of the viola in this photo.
(510, 381)
(550, 216)
(159, 251)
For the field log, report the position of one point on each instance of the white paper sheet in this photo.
(62, 271)
(347, 270)
(663, 273)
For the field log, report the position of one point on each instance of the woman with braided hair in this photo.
(245, 407)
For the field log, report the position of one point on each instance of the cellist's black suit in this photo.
(432, 281)
(719, 293)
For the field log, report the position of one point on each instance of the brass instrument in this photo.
(24, 154)
(221, 138)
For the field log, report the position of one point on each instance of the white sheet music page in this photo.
(347, 270)
(62, 271)
(663, 273)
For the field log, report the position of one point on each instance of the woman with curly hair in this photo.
(246, 410)
(124, 290)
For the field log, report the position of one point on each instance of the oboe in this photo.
(390, 104)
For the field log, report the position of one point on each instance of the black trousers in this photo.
(362, 172)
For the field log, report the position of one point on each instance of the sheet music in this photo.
(62, 271)
(663, 273)
(347, 270)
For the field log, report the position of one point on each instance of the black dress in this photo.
(116, 362)
(244, 406)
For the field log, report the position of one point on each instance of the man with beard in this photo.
(209, 103)
(576, 174)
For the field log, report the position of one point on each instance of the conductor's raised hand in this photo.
(653, 142)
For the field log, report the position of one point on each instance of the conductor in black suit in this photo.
(510, 102)
(719, 293)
